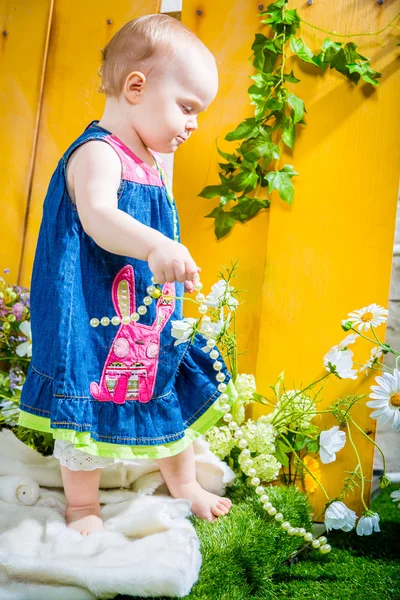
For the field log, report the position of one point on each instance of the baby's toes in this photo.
(218, 510)
(223, 507)
(226, 501)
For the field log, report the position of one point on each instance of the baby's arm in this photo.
(95, 174)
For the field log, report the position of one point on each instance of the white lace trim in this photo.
(78, 460)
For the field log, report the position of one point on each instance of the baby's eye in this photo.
(186, 109)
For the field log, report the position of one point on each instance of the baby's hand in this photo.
(189, 286)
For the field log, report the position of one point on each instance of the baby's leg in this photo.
(81, 489)
(179, 472)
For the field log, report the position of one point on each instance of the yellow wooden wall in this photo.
(304, 267)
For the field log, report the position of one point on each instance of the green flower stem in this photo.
(392, 350)
(299, 413)
(374, 368)
(352, 34)
(308, 470)
(371, 440)
(358, 465)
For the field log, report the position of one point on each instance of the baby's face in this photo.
(172, 97)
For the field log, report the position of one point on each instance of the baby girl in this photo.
(106, 378)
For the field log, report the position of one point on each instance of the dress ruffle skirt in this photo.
(195, 398)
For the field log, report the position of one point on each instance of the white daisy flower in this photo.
(349, 339)
(368, 523)
(25, 347)
(331, 441)
(341, 362)
(221, 291)
(387, 399)
(369, 315)
(396, 496)
(376, 352)
(183, 329)
(338, 516)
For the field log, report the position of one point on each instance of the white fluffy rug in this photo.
(147, 548)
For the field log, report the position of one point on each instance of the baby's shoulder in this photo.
(93, 159)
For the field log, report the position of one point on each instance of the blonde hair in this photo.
(135, 46)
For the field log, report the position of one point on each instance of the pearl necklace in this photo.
(237, 432)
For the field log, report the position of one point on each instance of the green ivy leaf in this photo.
(213, 190)
(366, 72)
(243, 180)
(247, 208)
(259, 147)
(246, 129)
(288, 133)
(298, 107)
(281, 181)
(299, 46)
(223, 221)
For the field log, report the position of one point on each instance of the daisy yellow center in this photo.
(395, 400)
(367, 316)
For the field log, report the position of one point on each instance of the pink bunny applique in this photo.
(129, 372)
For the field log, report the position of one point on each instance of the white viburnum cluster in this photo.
(295, 409)
(246, 386)
(266, 466)
(220, 440)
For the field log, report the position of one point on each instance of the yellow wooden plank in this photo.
(306, 266)
(71, 99)
(24, 34)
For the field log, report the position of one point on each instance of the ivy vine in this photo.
(277, 112)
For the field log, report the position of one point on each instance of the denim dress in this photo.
(109, 384)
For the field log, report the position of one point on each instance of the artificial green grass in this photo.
(245, 554)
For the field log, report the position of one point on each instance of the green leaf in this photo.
(247, 208)
(288, 133)
(281, 181)
(313, 446)
(223, 221)
(299, 46)
(246, 129)
(243, 180)
(298, 107)
(281, 457)
(259, 147)
(213, 190)
(232, 158)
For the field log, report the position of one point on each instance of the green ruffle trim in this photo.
(83, 441)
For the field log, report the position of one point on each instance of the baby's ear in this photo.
(123, 292)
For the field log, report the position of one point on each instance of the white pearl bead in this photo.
(135, 316)
(245, 453)
(322, 539)
(259, 490)
(214, 354)
(153, 279)
(264, 498)
(296, 530)
(217, 365)
(147, 300)
(252, 472)
(227, 418)
(325, 548)
(105, 321)
(211, 343)
(233, 425)
(315, 544)
(267, 505)
(255, 481)
(272, 511)
(203, 309)
(220, 377)
(239, 434)
(151, 289)
(222, 386)
(247, 463)
(94, 322)
(200, 297)
(142, 310)
(225, 408)
(223, 397)
(242, 443)
(115, 320)
(278, 516)
(206, 318)
(291, 531)
(302, 531)
(285, 525)
(308, 536)
(198, 285)
(126, 320)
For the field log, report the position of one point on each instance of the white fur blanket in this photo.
(147, 548)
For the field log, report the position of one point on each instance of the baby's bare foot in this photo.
(84, 519)
(204, 504)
